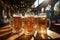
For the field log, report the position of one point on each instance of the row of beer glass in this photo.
(29, 23)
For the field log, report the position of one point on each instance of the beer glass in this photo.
(42, 25)
(16, 23)
(29, 23)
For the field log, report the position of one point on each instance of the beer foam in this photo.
(29, 16)
(36, 16)
(42, 15)
(14, 15)
(22, 16)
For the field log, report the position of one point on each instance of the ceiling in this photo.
(44, 4)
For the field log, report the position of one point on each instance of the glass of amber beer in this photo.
(42, 25)
(29, 23)
(16, 23)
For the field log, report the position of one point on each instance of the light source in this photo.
(37, 2)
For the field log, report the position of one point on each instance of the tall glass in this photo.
(42, 25)
(16, 23)
(29, 23)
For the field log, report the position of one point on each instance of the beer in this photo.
(42, 25)
(17, 22)
(29, 23)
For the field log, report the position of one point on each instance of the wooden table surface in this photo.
(6, 34)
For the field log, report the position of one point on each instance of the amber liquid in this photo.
(42, 23)
(42, 27)
(17, 23)
(29, 24)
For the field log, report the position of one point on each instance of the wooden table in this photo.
(6, 34)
